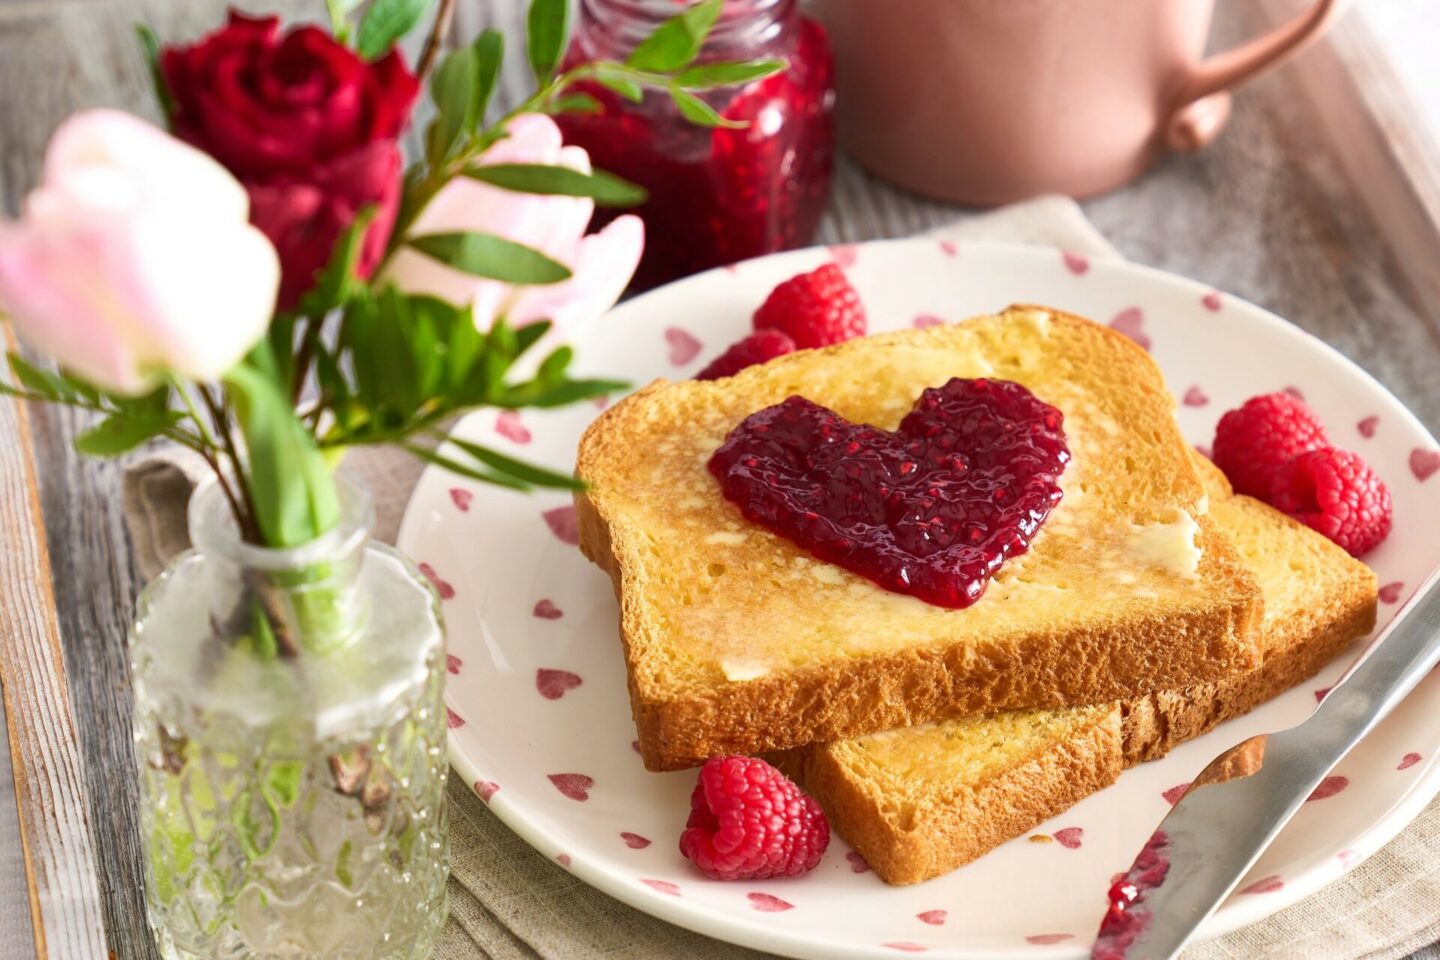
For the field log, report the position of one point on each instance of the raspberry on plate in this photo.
(1336, 493)
(1254, 443)
(748, 821)
(756, 348)
(815, 309)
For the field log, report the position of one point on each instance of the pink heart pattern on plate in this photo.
(1329, 787)
(1173, 795)
(1265, 885)
(574, 786)
(442, 586)
(509, 425)
(1045, 939)
(1424, 463)
(564, 524)
(1131, 322)
(768, 903)
(683, 346)
(553, 684)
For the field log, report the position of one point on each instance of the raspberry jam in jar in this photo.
(716, 195)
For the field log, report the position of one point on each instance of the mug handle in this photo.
(1204, 98)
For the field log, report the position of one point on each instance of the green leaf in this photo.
(396, 382)
(282, 345)
(489, 50)
(150, 48)
(623, 85)
(607, 190)
(338, 282)
(47, 383)
(528, 335)
(546, 29)
(676, 41)
(385, 22)
(536, 394)
(485, 255)
(334, 388)
(455, 89)
(454, 466)
(725, 74)
(152, 404)
(81, 388)
(294, 494)
(428, 336)
(462, 350)
(552, 368)
(526, 472)
(122, 432)
(575, 103)
(699, 112)
(501, 348)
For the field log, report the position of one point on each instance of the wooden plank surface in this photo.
(1266, 214)
(50, 792)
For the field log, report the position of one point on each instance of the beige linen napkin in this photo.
(509, 902)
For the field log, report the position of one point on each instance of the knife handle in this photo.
(1401, 656)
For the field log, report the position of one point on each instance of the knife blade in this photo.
(1240, 802)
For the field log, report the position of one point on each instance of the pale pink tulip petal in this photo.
(135, 258)
(601, 269)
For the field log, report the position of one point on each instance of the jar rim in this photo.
(215, 532)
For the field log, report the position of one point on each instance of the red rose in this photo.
(306, 125)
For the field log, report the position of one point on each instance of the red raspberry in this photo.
(1254, 443)
(1336, 493)
(749, 822)
(758, 347)
(816, 309)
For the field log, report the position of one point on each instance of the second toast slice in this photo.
(917, 803)
(739, 641)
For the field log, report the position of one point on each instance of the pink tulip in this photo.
(601, 264)
(134, 258)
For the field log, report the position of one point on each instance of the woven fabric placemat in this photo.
(510, 902)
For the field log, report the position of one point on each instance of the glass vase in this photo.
(290, 740)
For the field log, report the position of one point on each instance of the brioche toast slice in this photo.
(920, 802)
(738, 641)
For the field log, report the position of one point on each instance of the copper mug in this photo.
(989, 101)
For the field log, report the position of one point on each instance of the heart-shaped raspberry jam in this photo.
(931, 510)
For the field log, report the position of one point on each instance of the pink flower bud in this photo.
(134, 258)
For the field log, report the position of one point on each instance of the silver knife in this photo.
(1238, 804)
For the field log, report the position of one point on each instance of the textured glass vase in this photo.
(290, 740)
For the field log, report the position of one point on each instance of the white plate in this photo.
(524, 605)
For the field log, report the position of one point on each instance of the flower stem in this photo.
(438, 32)
(247, 516)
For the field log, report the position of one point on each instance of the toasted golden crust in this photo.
(926, 826)
(738, 641)
(1318, 600)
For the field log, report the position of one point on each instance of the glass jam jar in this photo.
(719, 195)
